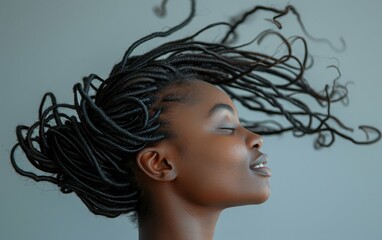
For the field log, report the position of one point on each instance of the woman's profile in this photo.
(161, 138)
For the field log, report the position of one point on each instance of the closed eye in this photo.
(228, 129)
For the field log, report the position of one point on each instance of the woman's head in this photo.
(157, 104)
(209, 158)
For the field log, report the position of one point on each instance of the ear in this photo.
(155, 163)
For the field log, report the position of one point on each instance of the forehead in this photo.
(198, 98)
(201, 98)
(204, 93)
(185, 121)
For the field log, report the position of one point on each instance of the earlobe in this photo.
(154, 164)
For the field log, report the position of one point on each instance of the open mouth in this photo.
(259, 166)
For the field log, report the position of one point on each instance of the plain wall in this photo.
(330, 194)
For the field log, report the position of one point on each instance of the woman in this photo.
(161, 139)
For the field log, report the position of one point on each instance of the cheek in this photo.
(226, 154)
(213, 173)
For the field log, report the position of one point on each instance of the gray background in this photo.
(329, 194)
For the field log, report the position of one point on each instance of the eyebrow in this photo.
(218, 107)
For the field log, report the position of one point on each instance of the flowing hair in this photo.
(89, 147)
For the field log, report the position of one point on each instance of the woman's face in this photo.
(215, 155)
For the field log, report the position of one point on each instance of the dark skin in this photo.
(190, 178)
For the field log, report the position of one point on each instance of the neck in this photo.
(170, 217)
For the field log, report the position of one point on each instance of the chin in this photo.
(261, 198)
(264, 199)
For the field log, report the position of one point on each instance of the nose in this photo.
(254, 140)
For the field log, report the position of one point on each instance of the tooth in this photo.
(259, 166)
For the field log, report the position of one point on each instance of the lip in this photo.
(263, 158)
(264, 171)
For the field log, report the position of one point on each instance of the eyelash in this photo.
(231, 129)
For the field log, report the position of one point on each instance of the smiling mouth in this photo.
(259, 166)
